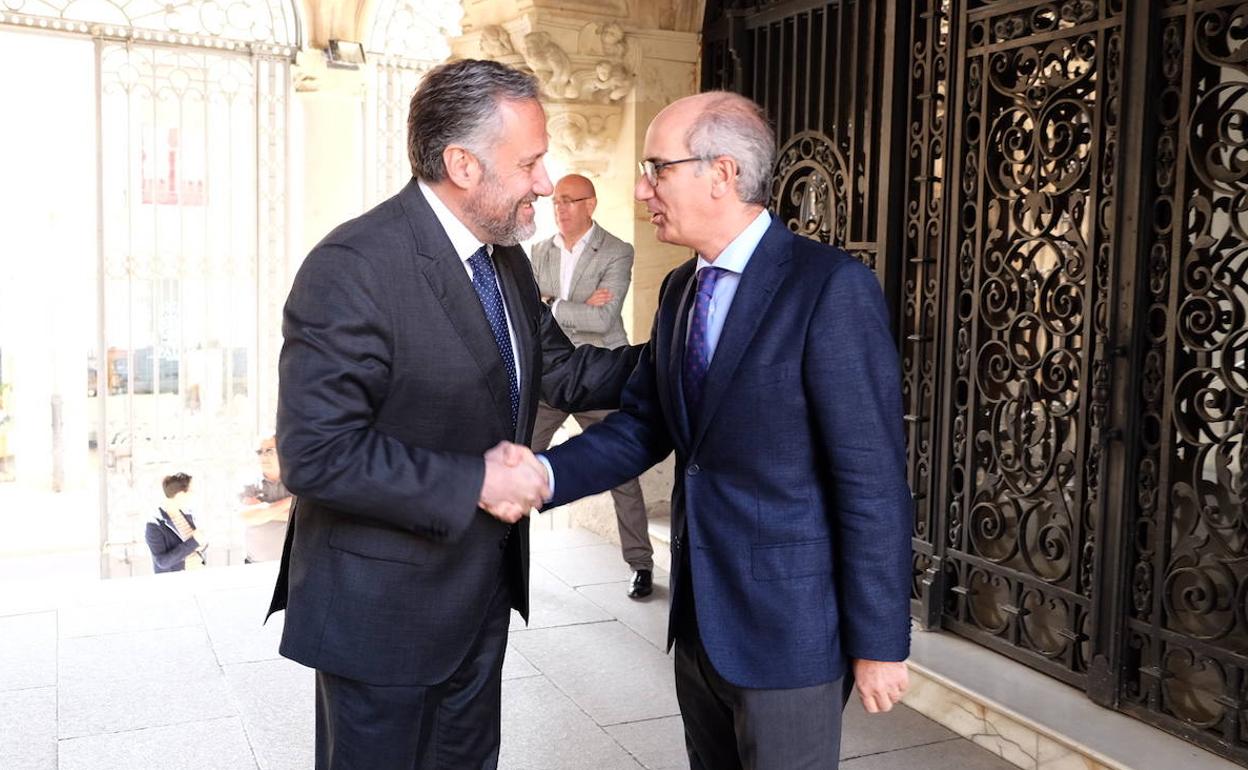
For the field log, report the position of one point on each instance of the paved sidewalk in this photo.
(175, 671)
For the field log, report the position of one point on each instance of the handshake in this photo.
(515, 482)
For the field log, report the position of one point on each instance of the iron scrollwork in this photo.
(1030, 387)
(809, 188)
(1188, 620)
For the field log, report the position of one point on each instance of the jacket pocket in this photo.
(786, 561)
(385, 543)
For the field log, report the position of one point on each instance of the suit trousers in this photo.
(454, 725)
(630, 506)
(728, 727)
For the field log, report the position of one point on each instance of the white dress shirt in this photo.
(465, 245)
(733, 259)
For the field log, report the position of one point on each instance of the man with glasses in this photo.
(772, 374)
(583, 273)
(267, 508)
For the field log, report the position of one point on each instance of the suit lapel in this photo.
(450, 283)
(766, 269)
(588, 254)
(680, 327)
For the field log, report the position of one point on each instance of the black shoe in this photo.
(642, 585)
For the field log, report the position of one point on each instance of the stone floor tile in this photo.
(658, 744)
(544, 730)
(543, 539)
(955, 754)
(27, 651)
(647, 617)
(553, 602)
(236, 626)
(175, 654)
(586, 565)
(91, 706)
(217, 744)
(901, 728)
(610, 672)
(135, 614)
(516, 666)
(276, 700)
(28, 729)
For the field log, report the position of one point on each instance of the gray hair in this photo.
(457, 103)
(733, 126)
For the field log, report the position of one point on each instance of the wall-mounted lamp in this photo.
(347, 54)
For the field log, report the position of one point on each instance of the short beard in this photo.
(488, 210)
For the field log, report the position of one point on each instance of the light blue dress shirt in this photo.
(733, 259)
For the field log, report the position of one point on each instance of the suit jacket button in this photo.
(675, 542)
(693, 469)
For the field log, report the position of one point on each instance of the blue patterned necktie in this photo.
(486, 284)
(698, 349)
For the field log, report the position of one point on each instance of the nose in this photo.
(642, 191)
(541, 183)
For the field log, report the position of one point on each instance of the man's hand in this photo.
(880, 683)
(599, 298)
(515, 482)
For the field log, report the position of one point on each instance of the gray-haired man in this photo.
(415, 342)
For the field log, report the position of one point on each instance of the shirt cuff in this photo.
(550, 477)
(554, 304)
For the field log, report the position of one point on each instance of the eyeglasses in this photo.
(650, 168)
(560, 202)
(266, 451)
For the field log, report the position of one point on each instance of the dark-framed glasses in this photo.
(650, 168)
(560, 202)
(267, 451)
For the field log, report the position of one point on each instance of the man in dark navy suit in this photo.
(416, 341)
(772, 374)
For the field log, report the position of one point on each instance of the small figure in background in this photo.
(268, 507)
(174, 541)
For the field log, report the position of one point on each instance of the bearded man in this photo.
(415, 342)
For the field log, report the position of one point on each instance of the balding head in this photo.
(575, 201)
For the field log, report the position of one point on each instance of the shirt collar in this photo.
(736, 255)
(580, 241)
(462, 239)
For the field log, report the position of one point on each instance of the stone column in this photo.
(327, 178)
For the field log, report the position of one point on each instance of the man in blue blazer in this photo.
(772, 374)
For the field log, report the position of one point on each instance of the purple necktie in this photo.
(492, 302)
(698, 349)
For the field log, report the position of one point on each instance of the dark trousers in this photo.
(449, 726)
(738, 728)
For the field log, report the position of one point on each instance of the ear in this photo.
(462, 167)
(590, 205)
(723, 176)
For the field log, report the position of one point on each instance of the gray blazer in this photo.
(606, 263)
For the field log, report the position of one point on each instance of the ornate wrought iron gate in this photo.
(1055, 196)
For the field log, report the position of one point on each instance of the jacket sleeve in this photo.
(164, 557)
(853, 384)
(615, 278)
(623, 445)
(334, 371)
